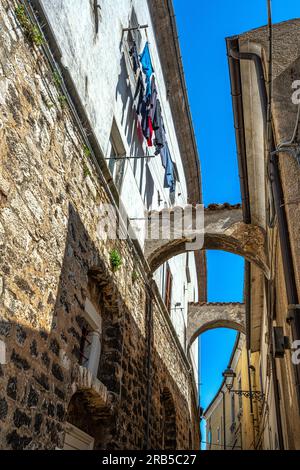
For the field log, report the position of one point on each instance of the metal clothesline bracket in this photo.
(140, 26)
(130, 158)
(249, 394)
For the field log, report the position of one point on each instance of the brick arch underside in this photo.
(206, 316)
(223, 229)
(231, 325)
(252, 252)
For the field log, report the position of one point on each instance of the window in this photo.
(222, 432)
(209, 438)
(240, 396)
(168, 291)
(261, 378)
(132, 47)
(90, 343)
(169, 430)
(187, 269)
(134, 36)
(116, 151)
(96, 7)
(85, 344)
(232, 408)
(218, 434)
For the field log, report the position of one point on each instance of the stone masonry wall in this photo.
(50, 256)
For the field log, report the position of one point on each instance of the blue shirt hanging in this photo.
(147, 68)
(169, 169)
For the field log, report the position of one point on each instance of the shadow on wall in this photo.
(38, 383)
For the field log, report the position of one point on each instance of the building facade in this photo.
(233, 417)
(265, 97)
(93, 342)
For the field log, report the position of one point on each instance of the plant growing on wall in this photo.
(86, 171)
(134, 276)
(63, 100)
(115, 260)
(31, 31)
(56, 79)
(86, 151)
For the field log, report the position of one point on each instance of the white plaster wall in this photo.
(254, 134)
(96, 63)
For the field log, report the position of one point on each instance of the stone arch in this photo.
(204, 316)
(168, 415)
(91, 416)
(224, 229)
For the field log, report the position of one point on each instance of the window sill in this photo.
(86, 381)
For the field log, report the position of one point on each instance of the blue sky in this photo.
(203, 26)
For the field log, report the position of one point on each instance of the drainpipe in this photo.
(149, 316)
(277, 402)
(248, 340)
(286, 252)
(224, 419)
(251, 399)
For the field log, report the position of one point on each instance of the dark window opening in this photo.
(116, 163)
(169, 431)
(168, 291)
(240, 396)
(85, 345)
(134, 36)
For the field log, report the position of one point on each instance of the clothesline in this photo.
(166, 121)
(149, 110)
(160, 94)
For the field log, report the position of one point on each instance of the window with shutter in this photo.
(168, 291)
(90, 342)
(116, 149)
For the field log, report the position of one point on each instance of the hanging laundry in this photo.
(135, 58)
(145, 120)
(153, 98)
(167, 162)
(139, 95)
(147, 68)
(159, 128)
(163, 156)
(150, 132)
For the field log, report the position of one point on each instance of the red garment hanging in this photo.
(150, 126)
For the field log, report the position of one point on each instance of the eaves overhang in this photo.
(164, 25)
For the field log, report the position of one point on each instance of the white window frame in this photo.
(75, 436)
(94, 321)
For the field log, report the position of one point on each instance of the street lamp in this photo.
(229, 376)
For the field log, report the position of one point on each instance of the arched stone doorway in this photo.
(168, 415)
(88, 425)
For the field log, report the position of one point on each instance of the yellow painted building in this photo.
(236, 419)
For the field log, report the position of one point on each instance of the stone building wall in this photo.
(51, 258)
(285, 71)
